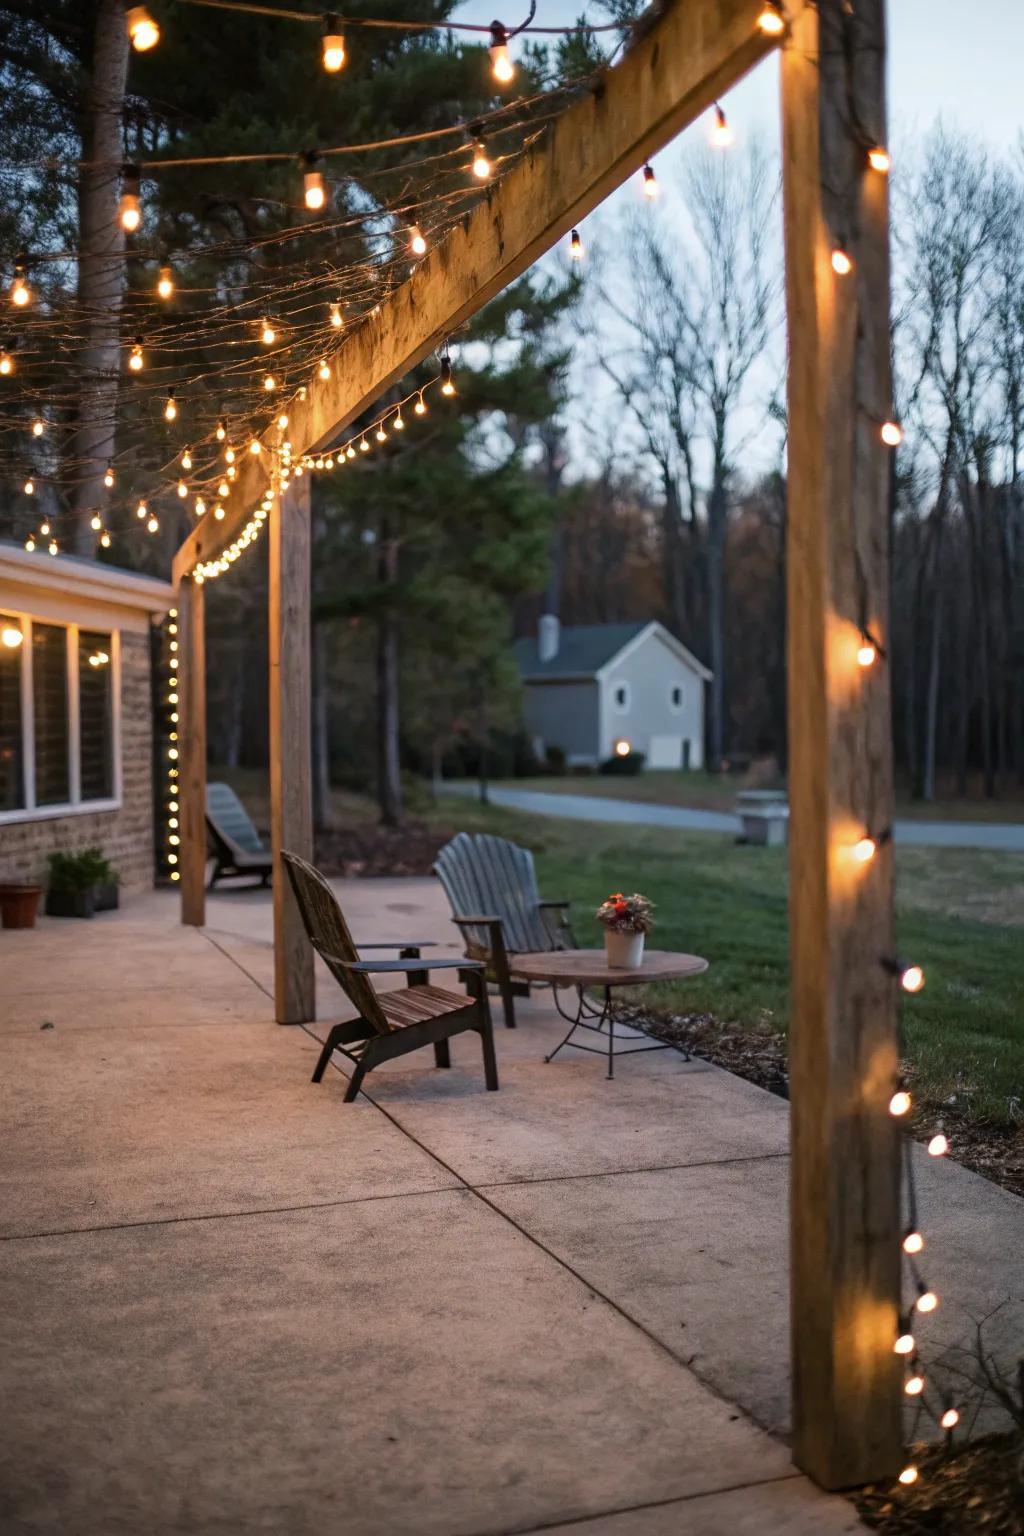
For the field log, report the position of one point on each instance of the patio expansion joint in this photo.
(618, 1173)
(628, 1509)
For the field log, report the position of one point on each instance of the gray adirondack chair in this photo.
(390, 1024)
(491, 885)
(237, 849)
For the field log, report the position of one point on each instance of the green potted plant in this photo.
(18, 904)
(80, 884)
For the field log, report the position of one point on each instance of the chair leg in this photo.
(490, 1060)
(442, 1053)
(325, 1055)
(355, 1083)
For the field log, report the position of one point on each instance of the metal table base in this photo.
(585, 1011)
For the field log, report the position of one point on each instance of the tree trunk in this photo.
(932, 696)
(716, 619)
(389, 777)
(322, 818)
(100, 270)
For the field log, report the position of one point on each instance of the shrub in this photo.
(79, 871)
(628, 765)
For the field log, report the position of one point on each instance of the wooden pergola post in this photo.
(291, 795)
(843, 1033)
(192, 751)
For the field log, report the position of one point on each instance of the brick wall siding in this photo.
(126, 835)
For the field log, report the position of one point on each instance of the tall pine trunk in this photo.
(389, 776)
(100, 269)
(716, 615)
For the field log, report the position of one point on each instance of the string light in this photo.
(182, 489)
(867, 653)
(223, 489)
(913, 1242)
(267, 333)
(324, 371)
(891, 434)
(399, 421)
(721, 134)
(899, 1104)
(44, 528)
(502, 67)
(914, 1385)
(6, 362)
(910, 977)
(105, 539)
(30, 543)
(255, 447)
(29, 487)
(165, 283)
(171, 408)
(381, 435)
(21, 293)
(38, 427)
(938, 1146)
(651, 188)
(420, 407)
(864, 850)
(135, 358)
(417, 242)
(337, 318)
(364, 446)
(130, 211)
(269, 383)
(908, 1475)
(926, 1301)
(878, 159)
(313, 190)
(575, 246)
(200, 506)
(153, 523)
(481, 164)
(950, 1419)
(333, 52)
(447, 383)
(52, 548)
(143, 31)
(841, 261)
(229, 455)
(904, 1344)
(771, 20)
(282, 420)
(108, 478)
(141, 510)
(222, 430)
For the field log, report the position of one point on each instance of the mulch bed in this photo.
(366, 852)
(996, 1152)
(975, 1487)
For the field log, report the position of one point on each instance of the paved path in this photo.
(230, 1303)
(1007, 836)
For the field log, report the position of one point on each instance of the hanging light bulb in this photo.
(29, 487)
(218, 512)
(350, 452)
(95, 522)
(108, 478)
(30, 543)
(575, 246)
(337, 318)
(721, 134)
(891, 434)
(165, 283)
(223, 489)
(420, 407)
(914, 1385)
(38, 427)
(333, 54)
(6, 362)
(878, 159)
(651, 188)
(229, 455)
(950, 1419)
(135, 358)
(222, 430)
(380, 434)
(481, 164)
(313, 190)
(200, 506)
(267, 333)
(899, 1104)
(21, 293)
(44, 529)
(255, 447)
(447, 385)
(105, 539)
(269, 383)
(324, 371)
(182, 489)
(771, 20)
(841, 261)
(399, 421)
(143, 31)
(364, 446)
(152, 524)
(171, 408)
(913, 1242)
(282, 422)
(927, 1301)
(417, 243)
(52, 547)
(130, 211)
(904, 1344)
(502, 67)
(141, 510)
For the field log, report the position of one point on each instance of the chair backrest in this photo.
(231, 819)
(488, 874)
(328, 933)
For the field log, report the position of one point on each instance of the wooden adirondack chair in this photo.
(491, 885)
(390, 1023)
(236, 844)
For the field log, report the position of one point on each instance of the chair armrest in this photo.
(407, 965)
(554, 903)
(476, 919)
(401, 944)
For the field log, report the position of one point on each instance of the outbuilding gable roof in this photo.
(584, 650)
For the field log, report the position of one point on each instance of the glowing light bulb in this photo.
(502, 67)
(30, 543)
(721, 134)
(950, 1419)
(95, 522)
(866, 654)
(381, 435)
(337, 318)
(165, 283)
(38, 427)
(267, 334)
(864, 850)
(269, 383)
(130, 209)
(938, 1146)
(142, 29)
(350, 452)
(29, 487)
(314, 192)
(891, 434)
(399, 422)
(170, 409)
(182, 489)
(912, 978)
(141, 510)
(575, 246)
(108, 478)
(324, 371)
(899, 1104)
(222, 430)
(447, 384)
(6, 362)
(417, 243)
(282, 420)
(44, 529)
(218, 512)
(255, 447)
(927, 1301)
(364, 446)
(229, 455)
(136, 359)
(52, 547)
(622, 748)
(481, 165)
(21, 293)
(908, 1475)
(878, 159)
(105, 540)
(913, 1242)
(904, 1344)
(223, 489)
(651, 188)
(771, 20)
(200, 506)
(914, 1385)
(11, 637)
(841, 261)
(420, 407)
(333, 47)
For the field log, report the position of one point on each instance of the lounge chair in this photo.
(236, 844)
(390, 1024)
(491, 885)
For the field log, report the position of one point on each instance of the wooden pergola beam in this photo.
(692, 53)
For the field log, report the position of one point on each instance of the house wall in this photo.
(564, 715)
(650, 671)
(126, 834)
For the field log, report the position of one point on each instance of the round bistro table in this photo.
(582, 968)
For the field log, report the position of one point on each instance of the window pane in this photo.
(95, 715)
(50, 703)
(12, 750)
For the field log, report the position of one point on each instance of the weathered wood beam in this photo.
(192, 752)
(291, 798)
(690, 55)
(843, 1032)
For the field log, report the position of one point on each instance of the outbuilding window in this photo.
(675, 696)
(58, 718)
(620, 697)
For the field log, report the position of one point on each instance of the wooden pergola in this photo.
(845, 1207)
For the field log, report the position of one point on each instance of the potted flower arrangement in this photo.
(80, 884)
(626, 920)
(18, 904)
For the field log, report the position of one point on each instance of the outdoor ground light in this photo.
(622, 747)
(333, 52)
(130, 211)
(502, 67)
(143, 31)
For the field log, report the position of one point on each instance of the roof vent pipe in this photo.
(547, 637)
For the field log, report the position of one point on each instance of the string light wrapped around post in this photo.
(165, 283)
(313, 189)
(21, 293)
(482, 166)
(130, 210)
(136, 358)
(417, 241)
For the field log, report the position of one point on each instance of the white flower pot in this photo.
(624, 951)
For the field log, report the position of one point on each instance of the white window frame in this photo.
(677, 709)
(624, 707)
(75, 806)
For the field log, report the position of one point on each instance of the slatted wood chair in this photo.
(390, 1023)
(237, 848)
(491, 885)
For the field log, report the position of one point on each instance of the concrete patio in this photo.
(231, 1303)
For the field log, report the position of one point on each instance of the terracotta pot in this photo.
(623, 951)
(18, 905)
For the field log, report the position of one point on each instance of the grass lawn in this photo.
(715, 792)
